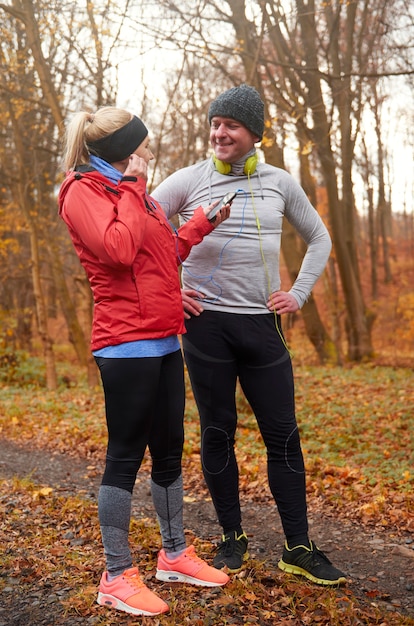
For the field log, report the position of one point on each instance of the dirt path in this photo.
(381, 568)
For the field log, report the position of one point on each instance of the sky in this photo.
(398, 137)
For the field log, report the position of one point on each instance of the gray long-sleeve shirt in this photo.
(237, 266)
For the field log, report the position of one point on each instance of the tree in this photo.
(312, 61)
(52, 58)
(319, 67)
(25, 166)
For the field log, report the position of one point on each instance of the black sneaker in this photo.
(231, 552)
(312, 563)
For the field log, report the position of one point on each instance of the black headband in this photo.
(120, 144)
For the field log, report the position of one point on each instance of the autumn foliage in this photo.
(356, 423)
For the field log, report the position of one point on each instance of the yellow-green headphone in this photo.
(225, 168)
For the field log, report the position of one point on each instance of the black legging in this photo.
(219, 348)
(144, 403)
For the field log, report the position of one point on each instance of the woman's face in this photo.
(144, 150)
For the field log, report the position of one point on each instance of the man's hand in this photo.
(191, 302)
(282, 302)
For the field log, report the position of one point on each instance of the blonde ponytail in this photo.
(87, 127)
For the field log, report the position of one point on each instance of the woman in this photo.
(130, 254)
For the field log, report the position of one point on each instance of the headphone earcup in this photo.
(250, 165)
(225, 168)
(221, 166)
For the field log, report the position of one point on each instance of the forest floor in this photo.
(379, 566)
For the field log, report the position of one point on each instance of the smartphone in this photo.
(228, 199)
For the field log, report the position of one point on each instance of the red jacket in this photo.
(130, 254)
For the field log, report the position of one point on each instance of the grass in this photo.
(356, 423)
(50, 543)
(357, 427)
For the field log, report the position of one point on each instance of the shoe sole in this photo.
(299, 571)
(223, 564)
(105, 599)
(177, 577)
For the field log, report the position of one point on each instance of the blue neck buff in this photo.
(105, 169)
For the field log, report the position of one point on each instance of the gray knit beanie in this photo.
(243, 104)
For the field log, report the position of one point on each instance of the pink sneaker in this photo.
(128, 593)
(189, 568)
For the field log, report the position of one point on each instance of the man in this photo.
(233, 303)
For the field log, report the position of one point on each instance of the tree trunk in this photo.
(341, 216)
(42, 67)
(76, 332)
(293, 257)
(26, 204)
(315, 329)
(327, 349)
(372, 243)
(41, 312)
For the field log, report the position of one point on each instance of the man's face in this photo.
(230, 139)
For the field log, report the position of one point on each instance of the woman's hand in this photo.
(191, 302)
(282, 302)
(222, 215)
(137, 167)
